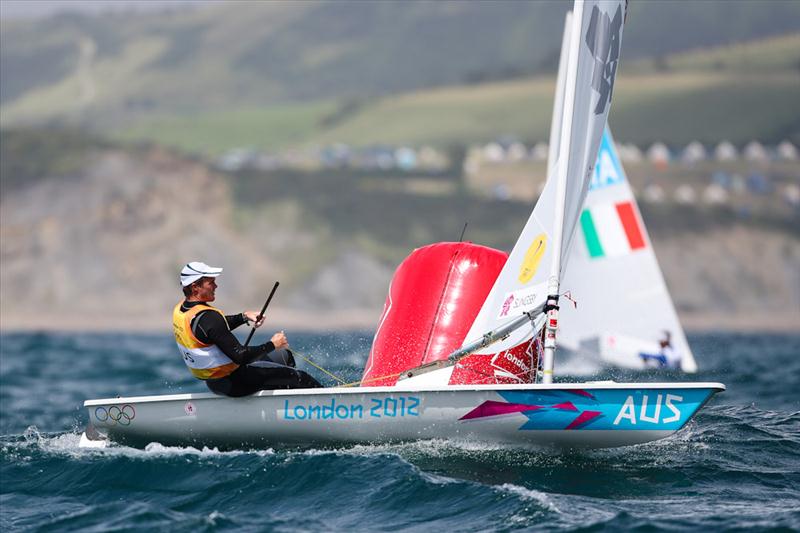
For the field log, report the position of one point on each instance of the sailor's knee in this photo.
(307, 380)
(281, 356)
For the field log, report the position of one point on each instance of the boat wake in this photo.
(68, 444)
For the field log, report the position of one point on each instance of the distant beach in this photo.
(362, 320)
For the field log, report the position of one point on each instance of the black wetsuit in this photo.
(261, 367)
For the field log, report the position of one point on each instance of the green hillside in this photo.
(764, 55)
(738, 93)
(274, 128)
(106, 70)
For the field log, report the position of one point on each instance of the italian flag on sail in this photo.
(611, 230)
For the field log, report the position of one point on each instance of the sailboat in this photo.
(519, 310)
(626, 312)
(622, 304)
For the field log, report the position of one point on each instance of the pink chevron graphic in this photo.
(492, 408)
(583, 419)
(566, 406)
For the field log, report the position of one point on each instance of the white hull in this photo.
(579, 415)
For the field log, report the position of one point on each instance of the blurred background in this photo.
(318, 143)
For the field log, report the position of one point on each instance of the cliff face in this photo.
(102, 249)
(735, 278)
(105, 247)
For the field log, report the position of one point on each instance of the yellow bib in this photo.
(205, 361)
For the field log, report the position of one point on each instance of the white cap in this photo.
(196, 270)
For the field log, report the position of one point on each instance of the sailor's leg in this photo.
(267, 378)
(235, 385)
(655, 359)
(307, 381)
(282, 356)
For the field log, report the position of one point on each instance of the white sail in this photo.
(622, 300)
(558, 102)
(592, 66)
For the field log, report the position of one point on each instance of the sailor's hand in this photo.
(252, 318)
(279, 340)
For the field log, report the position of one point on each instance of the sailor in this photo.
(667, 356)
(212, 352)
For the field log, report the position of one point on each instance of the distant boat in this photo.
(623, 307)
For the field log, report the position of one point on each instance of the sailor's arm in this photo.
(246, 317)
(210, 328)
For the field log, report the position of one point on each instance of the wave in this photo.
(733, 467)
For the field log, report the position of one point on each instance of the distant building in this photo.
(791, 194)
(383, 156)
(685, 195)
(629, 153)
(516, 152)
(658, 154)
(787, 151)
(501, 191)
(336, 156)
(431, 159)
(375, 157)
(236, 159)
(653, 194)
(472, 161)
(494, 153)
(405, 158)
(540, 152)
(266, 162)
(297, 159)
(715, 194)
(759, 184)
(506, 141)
(725, 151)
(694, 153)
(755, 152)
(722, 179)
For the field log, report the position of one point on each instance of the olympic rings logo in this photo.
(116, 414)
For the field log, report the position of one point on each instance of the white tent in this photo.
(630, 153)
(539, 151)
(658, 153)
(725, 151)
(694, 153)
(715, 194)
(755, 152)
(685, 194)
(653, 194)
(517, 152)
(494, 153)
(787, 151)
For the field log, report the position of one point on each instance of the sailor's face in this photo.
(205, 290)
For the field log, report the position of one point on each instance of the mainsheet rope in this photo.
(318, 367)
(344, 383)
(340, 380)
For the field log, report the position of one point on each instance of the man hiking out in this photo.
(212, 352)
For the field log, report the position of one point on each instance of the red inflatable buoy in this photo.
(433, 299)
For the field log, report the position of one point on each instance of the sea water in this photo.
(736, 465)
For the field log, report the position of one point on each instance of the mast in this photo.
(551, 307)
